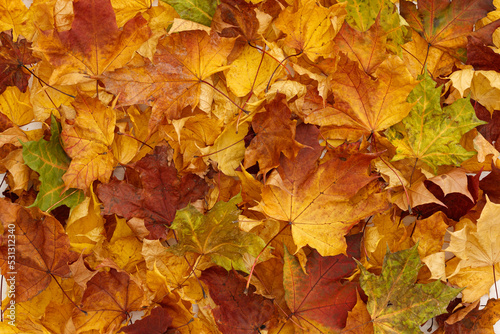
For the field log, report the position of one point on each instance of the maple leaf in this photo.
(444, 24)
(235, 18)
(477, 245)
(13, 57)
(160, 193)
(365, 105)
(156, 323)
(236, 312)
(200, 11)
(395, 302)
(107, 301)
(182, 61)
(87, 138)
(16, 105)
(476, 321)
(480, 56)
(14, 15)
(317, 298)
(51, 162)
(431, 133)
(93, 45)
(41, 248)
(275, 134)
(309, 29)
(308, 190)
(215, 234)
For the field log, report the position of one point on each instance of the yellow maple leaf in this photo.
(310, 30)
(478, 248)
(87, 136)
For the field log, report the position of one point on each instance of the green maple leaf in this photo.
(395, 303)
(431, 133)
(200, 11)
(51, 162)
(361, 15)
(215, 234)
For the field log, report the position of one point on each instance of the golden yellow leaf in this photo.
(309, 29)
(16, 106)
(87, 137)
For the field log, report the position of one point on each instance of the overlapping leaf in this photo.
(319, 301)
(307, 189)
(87, 137)
(173, 81)
(215, 234)
(236, 312)
(395, 303)
(158, 195)
(13, 55)
(51, 162)
(93, 45)
(431, 133)
(40, 247)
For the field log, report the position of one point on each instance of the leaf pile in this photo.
(260, 166)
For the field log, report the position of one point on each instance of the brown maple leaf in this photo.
(236, 312)
(13, 57)
(172, 82)
(275, 134)
(156, 197)
(108, 301)
(93, 45)
(40, 249)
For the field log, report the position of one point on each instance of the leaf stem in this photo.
(227, 97)
(222, 149)
(280, 64)
(258, 256)
(41, 80)
(64, 292)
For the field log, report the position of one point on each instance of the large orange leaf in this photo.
(322, 203)
(173, 81)
(309, 29)
(368, 47)
(93, 45)
(319, 301)
(363, 104)
(445, 24)
(87, 139)
(107, 301)
(34, 249)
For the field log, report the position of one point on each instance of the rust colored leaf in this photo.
(158, 322)
(173, 81)
(13, 55)
(40, 250)
(481, 56)
(368, 47)
(236, 312)
(321, 202)
(363, 104)
(275, 134)
(161, 192)
(108, 301)
(93, 45)
(234, 18)
(477, 321)
(445, 24)
(489, 184)
(319, 301)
